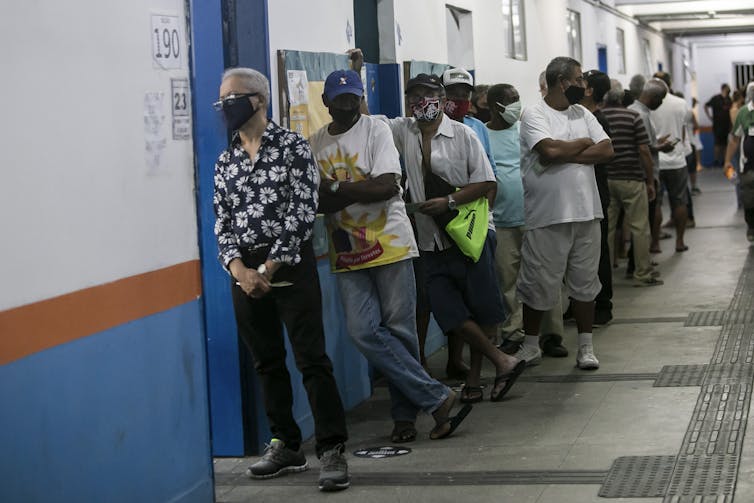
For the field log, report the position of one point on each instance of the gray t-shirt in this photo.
(558, 193)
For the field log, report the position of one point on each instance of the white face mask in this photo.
(512, 112)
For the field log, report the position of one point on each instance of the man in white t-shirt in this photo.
(670, 119)
(560, 143)
(371, 247)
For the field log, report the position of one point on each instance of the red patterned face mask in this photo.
(427, 109)
(457, 109)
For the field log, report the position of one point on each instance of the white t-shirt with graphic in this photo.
(364, 235)
(558, 193)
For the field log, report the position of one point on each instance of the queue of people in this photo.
(500, 218)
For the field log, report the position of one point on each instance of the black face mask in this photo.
(238, 111)
(346, 117)
(574, 94)
(483, 114)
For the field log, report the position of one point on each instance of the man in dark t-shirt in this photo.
(720, 105)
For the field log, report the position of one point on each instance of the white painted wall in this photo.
(315, 26)
(79, 205)
(424, 37)
(712, 59)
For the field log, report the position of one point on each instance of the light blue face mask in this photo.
(512, 112)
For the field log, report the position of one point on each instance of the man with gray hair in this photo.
(560, 143)
(650, 98)
(636, 86)
(631, 182)
(670, 119)
(265, 202)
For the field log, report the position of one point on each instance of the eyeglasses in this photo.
(230, 100)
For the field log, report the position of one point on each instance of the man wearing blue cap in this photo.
(371, 247)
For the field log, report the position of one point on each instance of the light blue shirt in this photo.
(509, 201)
(481, 132)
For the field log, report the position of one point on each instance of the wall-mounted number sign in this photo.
(179, 91)
(167, 42)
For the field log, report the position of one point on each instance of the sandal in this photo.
(471, 394)
(450, 422)
(681, 249)
(509, 379)
(403, 431)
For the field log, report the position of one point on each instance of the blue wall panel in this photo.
(119, 416)
(210, 138)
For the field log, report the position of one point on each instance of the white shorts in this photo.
(550, 254)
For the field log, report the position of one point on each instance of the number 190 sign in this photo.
(167, 41)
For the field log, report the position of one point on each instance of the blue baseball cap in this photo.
(341, 82)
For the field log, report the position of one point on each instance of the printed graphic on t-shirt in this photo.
(363, 235)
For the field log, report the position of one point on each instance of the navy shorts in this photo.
(460, 289)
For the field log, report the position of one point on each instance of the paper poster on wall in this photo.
(155, 140)
(299, 119)
(298, 87)
(179, 94)
(167, 41)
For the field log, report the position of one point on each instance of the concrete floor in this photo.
(557, 427)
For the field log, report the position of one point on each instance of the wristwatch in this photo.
(451, 203)
(334, 187)
(262, 269)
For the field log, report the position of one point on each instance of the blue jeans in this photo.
(380, 309)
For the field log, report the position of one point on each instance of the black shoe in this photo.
(278, 460)
(552, 345)
(509, 347)
(601, 318)
(568, 316)
(333, 476)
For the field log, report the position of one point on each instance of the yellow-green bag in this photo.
(469, 228)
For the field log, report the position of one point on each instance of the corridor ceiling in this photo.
(692, 17)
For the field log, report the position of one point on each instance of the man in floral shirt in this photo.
(265, 201)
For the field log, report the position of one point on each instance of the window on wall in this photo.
(514, 22)
(646, 51)
(621, 40)
(744, 73)
(573, 27)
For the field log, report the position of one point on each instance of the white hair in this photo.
(252, 82)
(750, 92)
(615, 95)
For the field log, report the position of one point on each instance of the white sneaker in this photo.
(585, 359)
(531, 355)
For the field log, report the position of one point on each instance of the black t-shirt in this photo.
(720, 111)
(600, 170)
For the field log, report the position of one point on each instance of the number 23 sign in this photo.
(167, 41)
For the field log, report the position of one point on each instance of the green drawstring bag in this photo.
(469, 228)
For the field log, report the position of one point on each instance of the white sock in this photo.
(532, 341)
(585, 338)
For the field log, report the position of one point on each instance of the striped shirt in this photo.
(627, 132)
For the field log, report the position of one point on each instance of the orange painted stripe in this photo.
(28, 329)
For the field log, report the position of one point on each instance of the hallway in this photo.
(663, 419)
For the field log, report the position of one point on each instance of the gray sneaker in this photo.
(278, 460)
(333, 476)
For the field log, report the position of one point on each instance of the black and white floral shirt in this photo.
(268, 202)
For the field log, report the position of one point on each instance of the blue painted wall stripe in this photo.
(119, 416)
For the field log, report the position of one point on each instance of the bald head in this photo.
(614, 96)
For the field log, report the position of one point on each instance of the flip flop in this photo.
(471, 394)
(682, 249)
(403, 432)
(509, 378)
(453, 423)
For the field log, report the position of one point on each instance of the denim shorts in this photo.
(460, 289)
